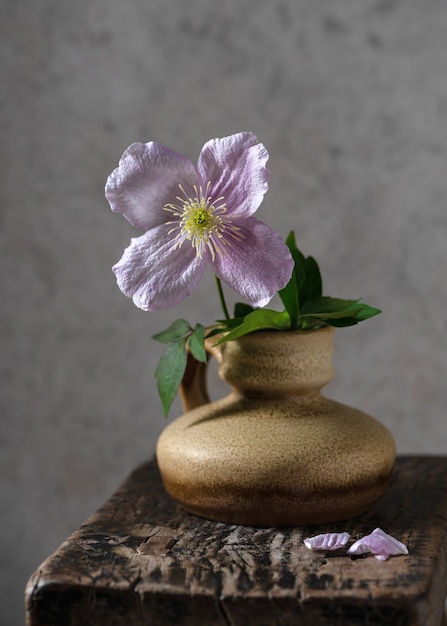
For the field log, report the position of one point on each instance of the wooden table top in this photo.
(141, 559)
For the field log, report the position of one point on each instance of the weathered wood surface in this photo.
(141, 560)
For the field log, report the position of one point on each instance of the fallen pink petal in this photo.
(379, 544)
(327, 541)
(193, 216)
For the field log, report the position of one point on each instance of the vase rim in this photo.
(271, 332)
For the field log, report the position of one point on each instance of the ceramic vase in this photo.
(274, 452)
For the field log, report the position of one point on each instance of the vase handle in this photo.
(193, 388)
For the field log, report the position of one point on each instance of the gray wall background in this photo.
(350, 99)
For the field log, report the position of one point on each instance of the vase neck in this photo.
(279, 363)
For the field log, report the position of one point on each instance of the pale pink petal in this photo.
(235, 166)
(327, 541)
(379, 544)
(155, 275)
(148, 177)
(256, 264)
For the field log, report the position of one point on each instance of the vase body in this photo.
(274, 452)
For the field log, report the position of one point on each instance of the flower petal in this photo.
(235, 166)
(379, 544)
(147, 178)
(327, 541)
(155, 275)
(256, 266)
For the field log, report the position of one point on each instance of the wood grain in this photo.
(142, 560)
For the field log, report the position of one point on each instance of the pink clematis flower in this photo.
(379, 544)
(194, 216)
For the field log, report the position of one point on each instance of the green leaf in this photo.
(298, 258)
(289, 297)
(231, 323)
(363, 313)
(312, 323)
(337, 312)
(169, 372)
(290, 293)
(196, 343)
(305, 283)
(260, 319)
(330, 308)
(177, 330)
(312, 285)
(241, 309)
(217, 330)
(366, 312)
(341, 322)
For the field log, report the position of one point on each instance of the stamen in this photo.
(202, 222)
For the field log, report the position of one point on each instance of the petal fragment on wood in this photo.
(327, 541)
(379, 544)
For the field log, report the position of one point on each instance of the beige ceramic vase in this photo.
(274, 452)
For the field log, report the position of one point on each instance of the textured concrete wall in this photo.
(349, 97)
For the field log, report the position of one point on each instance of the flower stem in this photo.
(222, 298)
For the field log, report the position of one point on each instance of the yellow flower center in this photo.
(197, 218)
(202, 222)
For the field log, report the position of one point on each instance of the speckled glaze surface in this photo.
(275, 451)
